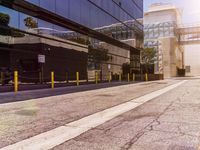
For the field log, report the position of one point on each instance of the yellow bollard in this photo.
(16, 81)
(96, 77)
(2, 78)
(52, 80)
(77, 78)
(133, 76)
(128, 77)
(120, 77)
(146, 77)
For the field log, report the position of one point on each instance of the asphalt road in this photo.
(169, 121)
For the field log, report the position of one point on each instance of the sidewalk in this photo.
(32, 86)
(8, 97)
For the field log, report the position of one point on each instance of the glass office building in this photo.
(59, 35)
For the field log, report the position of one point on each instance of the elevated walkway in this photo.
(184, 30)
(189, 34)
(186, 34)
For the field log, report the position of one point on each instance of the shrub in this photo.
(4, 19)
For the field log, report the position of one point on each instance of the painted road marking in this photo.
(52, 138)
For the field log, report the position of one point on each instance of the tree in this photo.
(98, 54)
(148, 57)
(4, 22)
(126, 68)
(30, 23)
(4, 19)
(80, 40)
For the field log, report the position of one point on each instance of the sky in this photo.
(190, 9)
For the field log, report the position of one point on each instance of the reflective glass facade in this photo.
(94, 13)
(115, 19)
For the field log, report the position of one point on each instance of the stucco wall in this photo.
(157, 17)
(192, 55)
(172, 56)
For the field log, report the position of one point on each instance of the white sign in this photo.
(41, 58)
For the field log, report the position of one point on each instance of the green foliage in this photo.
(4, 19)
(148, 57)
(126, 68)
(30, 23)
(80, 40)
(10, 32)
(5, 29)
(15, 33)
(98, 54)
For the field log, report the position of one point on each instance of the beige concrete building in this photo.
(115, 64)
(160, 23)
(119, 55)
(192, 61)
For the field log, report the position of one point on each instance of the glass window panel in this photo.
(49, 5)
(62, 7)
(75, 10)
(14, 16)
(85, 13)
(36, 2)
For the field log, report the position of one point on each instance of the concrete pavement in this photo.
(7, 97)
(22, 120)
(168, 122)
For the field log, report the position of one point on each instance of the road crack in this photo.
(146, 129)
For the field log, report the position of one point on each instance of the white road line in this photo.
(52, 138)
